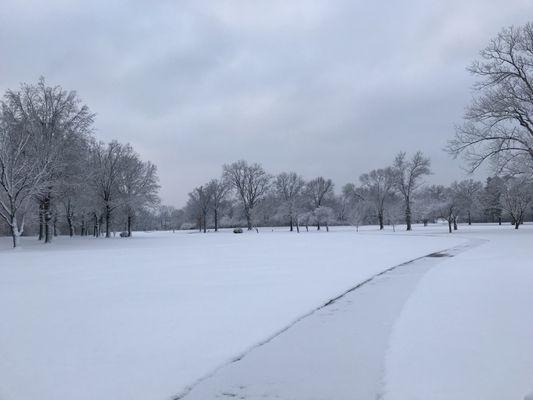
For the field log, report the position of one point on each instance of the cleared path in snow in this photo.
(337, 352)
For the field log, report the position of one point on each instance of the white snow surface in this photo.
(142, 318)
(466, 332)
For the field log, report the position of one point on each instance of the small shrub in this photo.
(237, 230)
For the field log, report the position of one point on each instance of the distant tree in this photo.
(219, 191)
(138, 186)
(325, 215)
(491, 199)
(444, 203)
(107, 168)
(200, 200)
(499, 122)
(407, 178)
(467, 194)
(288, 188)
(251, 183)
(517, 197)
(318, 191)
(379, 185)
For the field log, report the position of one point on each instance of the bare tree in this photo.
(407, 178)
(138, 186)
(108, 162)
(288, 188)
(317, 192)
(379, 185)
(56, 119)
(499, 121)
(251, 183)
(22, 172)
(467, 193)
(219, 190)
(517, 196)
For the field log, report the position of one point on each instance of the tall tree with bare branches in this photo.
(408, 177)
(251, 182)
(499, 122)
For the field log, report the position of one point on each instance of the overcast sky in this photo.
(331, 88)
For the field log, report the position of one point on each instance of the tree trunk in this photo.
(408, 216)
(82, 229)
(47, 220)
(317, 225)
(107, 221)
(454, 223)
(327, 226)
(517, 224)
(380, 219)
(70, 226)
(129, 225)
(216, 220)
(499, 220)
(96, 228)
(248, 214)
(291, 224)
(204, 217)
(449, 225)
(15, 231)
(469, 218)
(41, 222)
(297, 227)
(55, 225)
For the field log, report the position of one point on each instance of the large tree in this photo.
(251, 182)
(22, 171)
(56, 119)
(499, 122)
(408, 176)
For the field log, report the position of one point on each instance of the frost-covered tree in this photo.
(467, 193)
(22, 172)
(288, 189)
(379, 187)
(107, 170)
(57, 120)
(138, 186)
(318, 192)
(251, 182)
(517, 196)
(499, 122)
(408, 176)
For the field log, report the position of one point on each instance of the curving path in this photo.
(337, 352)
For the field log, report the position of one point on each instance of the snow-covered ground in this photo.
(467, 331)
(142, 318)
(146, 317)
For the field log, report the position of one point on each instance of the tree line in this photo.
(55, 174)
(247, 195)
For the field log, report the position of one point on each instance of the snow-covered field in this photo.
(145, 317)
(142, 318)
(466, 332)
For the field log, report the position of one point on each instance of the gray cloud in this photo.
(333, 88)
